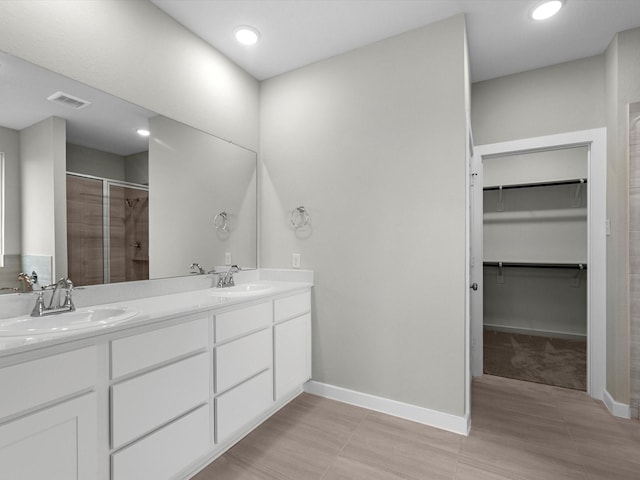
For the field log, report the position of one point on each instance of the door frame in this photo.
(596, 142)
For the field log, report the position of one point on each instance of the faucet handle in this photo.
(68, 301)
(39, 307)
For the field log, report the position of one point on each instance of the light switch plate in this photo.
(227, 258)
(295, 260)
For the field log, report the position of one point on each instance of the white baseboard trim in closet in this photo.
(534, 332)
(616, 408)
(426, 416)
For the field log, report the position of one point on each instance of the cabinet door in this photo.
(292, 354)
(57, 443)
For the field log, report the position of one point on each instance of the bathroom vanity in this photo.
(158, 395)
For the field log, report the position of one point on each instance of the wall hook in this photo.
(299, 217)
(221, 222)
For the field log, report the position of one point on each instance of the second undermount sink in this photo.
(65, 322)
(244, 289)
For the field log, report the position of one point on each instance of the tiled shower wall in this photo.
(634, 253)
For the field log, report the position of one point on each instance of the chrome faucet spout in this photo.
(27, 282)
(196, 269)
(227, 279)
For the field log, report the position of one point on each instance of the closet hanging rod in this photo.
(582, 266)
(538, 184)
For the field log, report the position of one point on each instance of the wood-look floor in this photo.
(520, 431)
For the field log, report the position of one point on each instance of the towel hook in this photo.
(221, 222)
(299, 217)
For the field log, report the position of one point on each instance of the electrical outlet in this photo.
(295, 260)
(227, 258)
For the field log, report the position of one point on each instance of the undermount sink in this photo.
(64, 322)
(244, 289)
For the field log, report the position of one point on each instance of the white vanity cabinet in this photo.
(292, 343)
(243, 367)
(48, 418)
(156, 400)
(160, 415)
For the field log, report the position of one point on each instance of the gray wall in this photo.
(90, 161)
(623, 87)
(634, 252)
(10, 146)
(44, 213)
(194, 176)
(135, 51)
(556, 99)
(372, 143)
(136, 168)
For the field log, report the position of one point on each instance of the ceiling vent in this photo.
(68, 100)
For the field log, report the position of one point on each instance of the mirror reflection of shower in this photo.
(131, 202)
(107, 230)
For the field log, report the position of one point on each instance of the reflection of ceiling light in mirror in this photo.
(546, 9)
(246, 35)
(143, 132)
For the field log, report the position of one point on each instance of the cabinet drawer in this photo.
(241, 405)
(293, 306)
(242, 358)
(144, 350)
(245, 320)
(144, 403)
(166, 452)
(291, 340)
(33, 383)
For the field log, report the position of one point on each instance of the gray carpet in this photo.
(552, 361)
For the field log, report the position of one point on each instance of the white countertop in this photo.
(150, 310)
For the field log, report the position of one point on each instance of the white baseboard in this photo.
(426, 416)
(617, 409)
(534, 332)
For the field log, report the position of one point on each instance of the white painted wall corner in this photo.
(426, 416)
(616, 408)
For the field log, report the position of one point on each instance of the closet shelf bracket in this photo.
(577, 199)
(500, 205)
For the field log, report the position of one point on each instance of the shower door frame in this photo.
(596, 142)
(106, 218)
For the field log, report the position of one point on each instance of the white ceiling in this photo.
(108, 123)
(502, 38)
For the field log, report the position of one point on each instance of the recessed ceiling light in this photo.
(246, 35)
(546, 9)
(143, 132)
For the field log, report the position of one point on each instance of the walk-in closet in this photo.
(535, 263)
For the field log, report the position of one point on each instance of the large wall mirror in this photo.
(86, 196)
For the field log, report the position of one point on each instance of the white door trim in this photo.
(596, 141)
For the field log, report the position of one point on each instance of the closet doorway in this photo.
(542, 282)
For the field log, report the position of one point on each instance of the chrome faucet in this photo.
(27, 281)
(66, 305)
(226, 280)
(196, 269)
